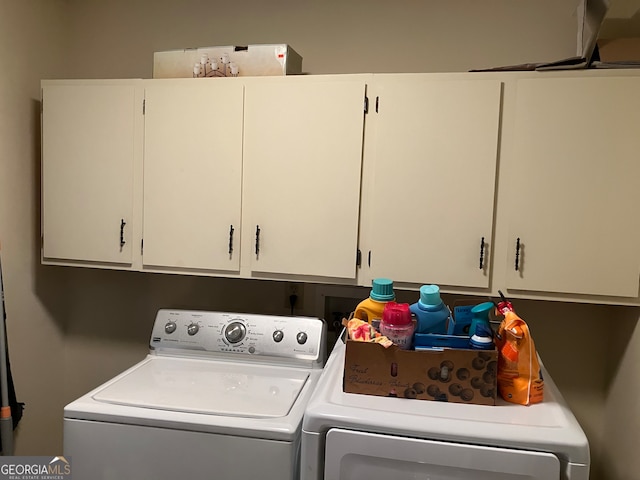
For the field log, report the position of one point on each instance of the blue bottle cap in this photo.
(382, 290)
(430, 295)
(482, 310)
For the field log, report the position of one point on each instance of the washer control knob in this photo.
(301, 338)
(278, 335)
(193, 328)
(170, 327)
(235, 332)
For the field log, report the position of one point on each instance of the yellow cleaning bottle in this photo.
(371, 308)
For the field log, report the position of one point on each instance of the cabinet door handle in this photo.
(482, 253)
(257, 240)
(518, 254)
(122, 224)
(230, 240)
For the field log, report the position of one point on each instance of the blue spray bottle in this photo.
(480, 332)
(480, 317)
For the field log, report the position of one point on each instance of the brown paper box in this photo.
(450, 375)
(619, 49)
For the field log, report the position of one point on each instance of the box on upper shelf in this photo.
(619, 49)
(229, 61)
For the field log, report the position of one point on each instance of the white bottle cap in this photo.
(481, 343)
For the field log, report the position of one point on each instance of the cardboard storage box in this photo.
(448, 375)
(619, 49)
(231, 61)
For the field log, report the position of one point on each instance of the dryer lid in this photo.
(207, 387)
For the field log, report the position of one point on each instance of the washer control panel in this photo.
(239, 333)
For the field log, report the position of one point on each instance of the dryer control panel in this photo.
(218, 333)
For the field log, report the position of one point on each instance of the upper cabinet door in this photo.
(302, 166)
(431, 198)
(575, 187)
(89, 150)
(193, 175)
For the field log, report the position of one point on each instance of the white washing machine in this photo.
(351, 436)
(220, 395)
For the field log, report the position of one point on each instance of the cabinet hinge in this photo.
(369, 259)
(141, 246)
(366, 104)
(358, 258)
(144, 106)
(377, 103)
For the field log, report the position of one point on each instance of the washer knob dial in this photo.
(278, 335)
(301, 338)
(170, 327)
(193, 328)
(235, 332)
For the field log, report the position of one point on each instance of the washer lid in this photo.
(207, 387)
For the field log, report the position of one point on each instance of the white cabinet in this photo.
(185, 186)
(286, 178)
(193, 175)
(91, 138)
(574, 187)
(430, 196)
(302, 167)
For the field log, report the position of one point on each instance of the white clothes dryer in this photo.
(351, 436)
(220, 395)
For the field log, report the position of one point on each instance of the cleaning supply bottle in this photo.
(397, 324)
(480, 314)
(371, 308)
(430, 311)
(482, 339)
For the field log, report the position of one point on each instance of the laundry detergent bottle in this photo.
(371, 309)
(431, 313)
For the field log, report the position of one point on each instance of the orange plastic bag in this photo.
(519, 377)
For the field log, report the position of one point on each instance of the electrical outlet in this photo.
(294, 289)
